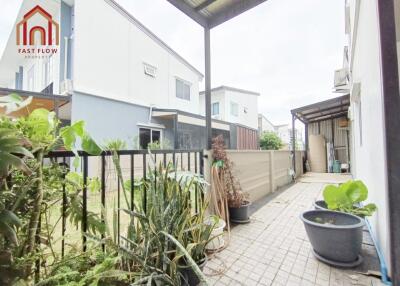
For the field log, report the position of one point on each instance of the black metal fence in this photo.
(182, 160)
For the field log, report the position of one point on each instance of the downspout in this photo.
(66, 39)
(354, 34)
(150, 113)
(382, 263)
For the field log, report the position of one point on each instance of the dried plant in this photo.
(235, 194)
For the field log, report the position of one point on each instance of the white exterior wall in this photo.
(108, 60)
(265, 125)
(283, 133)
(369, 156)
(216, 96)
(243, 99)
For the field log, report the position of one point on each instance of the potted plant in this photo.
(238, 202)
(346, 197)
(217, 241)
(336, 237)
(195, 239)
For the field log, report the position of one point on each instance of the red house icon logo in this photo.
(45, 31)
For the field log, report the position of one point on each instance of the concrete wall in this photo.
(110, 51)
(367, 114)
(253, 170)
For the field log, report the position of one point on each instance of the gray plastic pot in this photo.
(336, 237)
(320, 205)
(189, 276)
(240, 214)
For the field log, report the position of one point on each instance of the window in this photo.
(149, 70)
(147, 136)
(215, 108)
(234, 109)
(182, 89)
(31, 78)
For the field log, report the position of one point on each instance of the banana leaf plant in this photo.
(348, 197)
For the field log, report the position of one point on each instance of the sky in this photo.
(287, 50)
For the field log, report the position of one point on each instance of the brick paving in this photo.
(274, 249)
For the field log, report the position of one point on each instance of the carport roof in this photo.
(324, 110)
(211, 13)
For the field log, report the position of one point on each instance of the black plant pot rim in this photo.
(245, 204)
(199, 263)
(332, 226)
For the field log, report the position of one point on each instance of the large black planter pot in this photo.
(189, 276)
(240, 214)
(336, 237)
(320, 205)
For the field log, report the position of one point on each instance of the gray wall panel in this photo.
(108, 119)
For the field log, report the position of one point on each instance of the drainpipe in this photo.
(382, 263)
(151, 112)
(66, 39)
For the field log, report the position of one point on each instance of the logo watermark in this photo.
(38, 34)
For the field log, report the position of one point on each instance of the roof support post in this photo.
(306, 139)
(207, 55)
(391, 104)
(294, 142)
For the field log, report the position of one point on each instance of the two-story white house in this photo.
(233, 105)
(282, 131)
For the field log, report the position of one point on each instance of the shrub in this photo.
(270, 141)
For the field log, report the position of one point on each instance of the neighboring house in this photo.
(283, 131)
(264, 124)
(233, 105)
(114, 81)
(364, 76)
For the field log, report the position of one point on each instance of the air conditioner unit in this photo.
(66, 87)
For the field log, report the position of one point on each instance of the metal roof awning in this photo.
(211, 13)
(39, 100)
(324, 110)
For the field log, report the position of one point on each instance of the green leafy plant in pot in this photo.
(348, 197)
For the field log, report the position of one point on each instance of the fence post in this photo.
(271, 171)
(84, 201)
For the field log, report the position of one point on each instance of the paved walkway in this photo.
(274, 249)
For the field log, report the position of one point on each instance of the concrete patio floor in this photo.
(274, 249)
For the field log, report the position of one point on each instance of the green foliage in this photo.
(114, 146)
(270, 141)
(12, 152)
(156, 145)
(162, 237)
(347, 196)
(168, 217)
(29, 188)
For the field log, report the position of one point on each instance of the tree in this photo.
(270, 141)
